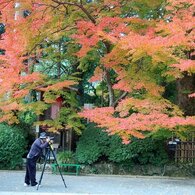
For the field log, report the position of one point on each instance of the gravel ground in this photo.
(11, 183)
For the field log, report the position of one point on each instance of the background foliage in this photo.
(66, 157)
(95, 145)
(134, 60)
(12, 146)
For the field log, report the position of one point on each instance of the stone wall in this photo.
(171, 170)
(182, 170)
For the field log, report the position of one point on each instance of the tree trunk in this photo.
(109, 85)
(185, 86)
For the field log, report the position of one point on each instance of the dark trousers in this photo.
(30, 177)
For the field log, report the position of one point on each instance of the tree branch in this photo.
(79, 6)
(5, 3)
(123, 95)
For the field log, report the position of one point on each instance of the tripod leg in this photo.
(46, 156)
(58, 166)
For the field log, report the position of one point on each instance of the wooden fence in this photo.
(185, 150)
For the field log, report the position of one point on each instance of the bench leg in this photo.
(77, 171)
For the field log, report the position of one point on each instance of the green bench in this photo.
(63, 167)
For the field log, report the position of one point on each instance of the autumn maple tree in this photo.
(139, 57)
(24, 45)
(139, 46)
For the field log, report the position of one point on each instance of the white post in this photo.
(88, 106)
(18, 13)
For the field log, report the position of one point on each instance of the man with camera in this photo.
(35, 152)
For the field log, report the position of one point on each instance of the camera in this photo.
(50, 138)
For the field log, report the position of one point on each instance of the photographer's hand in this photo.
(49, 140)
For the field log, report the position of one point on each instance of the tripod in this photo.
(50, 149)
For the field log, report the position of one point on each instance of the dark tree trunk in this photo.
(110, 89)
(185, 86)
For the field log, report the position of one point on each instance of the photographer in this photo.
(32, 157)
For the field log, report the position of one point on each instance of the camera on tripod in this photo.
(47, 157)
(50, 138)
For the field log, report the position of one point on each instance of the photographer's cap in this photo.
(43, 135)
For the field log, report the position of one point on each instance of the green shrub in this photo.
(91, 145)
(96, 145)
(118, 152)
(144, 151)
(66, 157)
(149, 151)
(12, 147)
